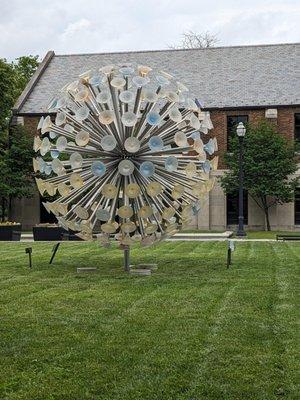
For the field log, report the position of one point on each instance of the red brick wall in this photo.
(285, 124)
(31, 124)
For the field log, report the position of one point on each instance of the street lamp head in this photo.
(241, 130)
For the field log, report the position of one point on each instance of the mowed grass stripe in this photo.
(192, 330)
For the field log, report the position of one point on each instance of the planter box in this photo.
(47, 233)
(10, 232)
(73, 237)
(70, 235)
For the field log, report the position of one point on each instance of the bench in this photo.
(288, 236)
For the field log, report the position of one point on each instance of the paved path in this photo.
(28, 237)
(181, 236)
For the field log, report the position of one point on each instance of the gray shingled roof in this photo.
(239, 76)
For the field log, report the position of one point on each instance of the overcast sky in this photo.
(84, 26)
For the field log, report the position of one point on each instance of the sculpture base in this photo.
(140, 271)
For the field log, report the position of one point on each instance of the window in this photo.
(232, 208)
(297, 206)
(232, 123)
(297, 127)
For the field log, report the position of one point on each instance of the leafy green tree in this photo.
(24, 67)
(14, 151)
(7, 99)
(17, 175)
(269, 162)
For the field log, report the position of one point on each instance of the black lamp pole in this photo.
(241, 130)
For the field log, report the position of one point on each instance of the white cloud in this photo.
(81, 26)
(75, 28)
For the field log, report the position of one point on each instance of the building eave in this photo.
(241, 108)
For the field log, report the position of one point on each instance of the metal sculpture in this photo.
(126, 156)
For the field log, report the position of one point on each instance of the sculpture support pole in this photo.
(126, 259)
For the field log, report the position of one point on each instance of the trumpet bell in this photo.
(132, 190)
(106, 117)
(118, 82)
(82, 113)
(128, 227)
(140, 81)
(126, 167)
(81, 212)
(98, 168)
(76, 160)
(82, 138)
(171, 163)
(132, 144)
(109, 191)
(153, 118)
(60, 118)
(103, 215)
(61, 143)
(76, 181)
(147, 169)
(145, 212)
(156, 143)
(180, 139)
(175, 115)
(108, 143)
(129, 118)
(109, 227)
(125, 212)
(127, 96)
(154, 189)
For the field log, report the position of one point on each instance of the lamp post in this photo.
(241, 131)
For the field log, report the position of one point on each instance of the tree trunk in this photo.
(9, 208)
(266, 211)
(268, 226)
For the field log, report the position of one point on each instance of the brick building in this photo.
(240, 83)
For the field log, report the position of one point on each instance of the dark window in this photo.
(232, 123)
(297, 206)
(232, 200)
(297, 127)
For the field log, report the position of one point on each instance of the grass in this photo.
(269, 234)
(250, 234)
(193, 330)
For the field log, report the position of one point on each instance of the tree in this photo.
(24, 68)
(269, 162)
(193, 40)
(13, 79)
(7, 98)
(17, 177)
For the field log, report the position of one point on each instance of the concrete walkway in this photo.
(202, 236)
(28, 237)
(181, 236)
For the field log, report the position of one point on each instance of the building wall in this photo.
(213, 206)
(284, 122)
(281, 216)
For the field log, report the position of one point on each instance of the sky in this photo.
(92, 26)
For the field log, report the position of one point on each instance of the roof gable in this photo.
(220, 77)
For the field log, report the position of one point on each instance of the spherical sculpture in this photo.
(126, 156)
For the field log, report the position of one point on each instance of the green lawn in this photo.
(193, 330)
(250, 234)
(269, 234)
